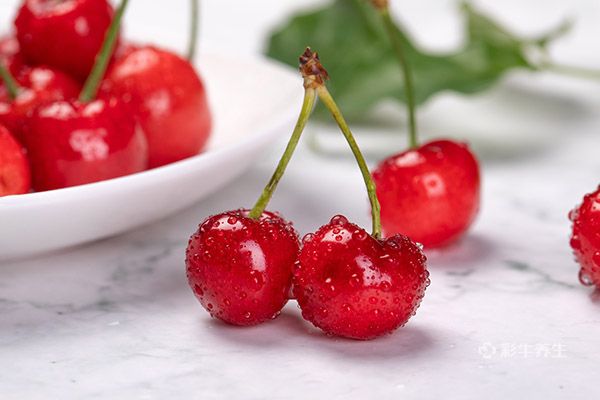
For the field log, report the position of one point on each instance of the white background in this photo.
(115, 319)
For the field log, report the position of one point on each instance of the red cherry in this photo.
(10, 54)
(241, 268)
(15, 177)
(66, 34)
(71, 143)
(349, 284)
(170, 100)
(39, 85)
(430, 194)
(585, 240)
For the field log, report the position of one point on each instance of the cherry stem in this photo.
(398, 46)
(329, 102)
(308, 105)
(193, 39)
(12, 87)
(92, 84)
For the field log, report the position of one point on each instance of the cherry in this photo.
(347, 282)
(33, 87)
(169, 98)
(72, 143)
(82, 141)
(15, 177)
(353, 285)
(239, 263)
(430, 193)
(167, 93)
(240, 268)
(585, 239)
(66, 34)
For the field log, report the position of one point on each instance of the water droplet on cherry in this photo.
(585, 279)
(339, 220)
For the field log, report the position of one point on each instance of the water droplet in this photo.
(339, 220)
(575, 243)
(373, 300)
(596, 259)
(248, 315)
(227, 302)
(360, 234)
(308, 238)
(585, 279)
(232, 220)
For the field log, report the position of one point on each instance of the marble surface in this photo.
(504, 317)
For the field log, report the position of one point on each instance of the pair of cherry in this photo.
(242, 265)
(140, 106)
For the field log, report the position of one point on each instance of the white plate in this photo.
(253, 102)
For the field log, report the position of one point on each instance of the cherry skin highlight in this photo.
(430, 194)
(15, 177)
(38, 86)
(349, 284)
(169, 98)
(71, 143)
(239, 268)
(585, 238)
(66, 35)
(10, 54)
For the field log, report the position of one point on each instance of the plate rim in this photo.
(264, 132)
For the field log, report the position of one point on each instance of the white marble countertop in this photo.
(504, 317)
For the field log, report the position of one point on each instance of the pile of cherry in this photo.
(78, 104)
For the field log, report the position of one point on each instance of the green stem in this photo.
(90, 89)
(193, 39)
(329, 102)
(579, 72)
(398, 45)
(310, 98)
(12, 87)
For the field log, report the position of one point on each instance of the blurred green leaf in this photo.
(356, 51)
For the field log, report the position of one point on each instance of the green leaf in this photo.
(356, 51)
